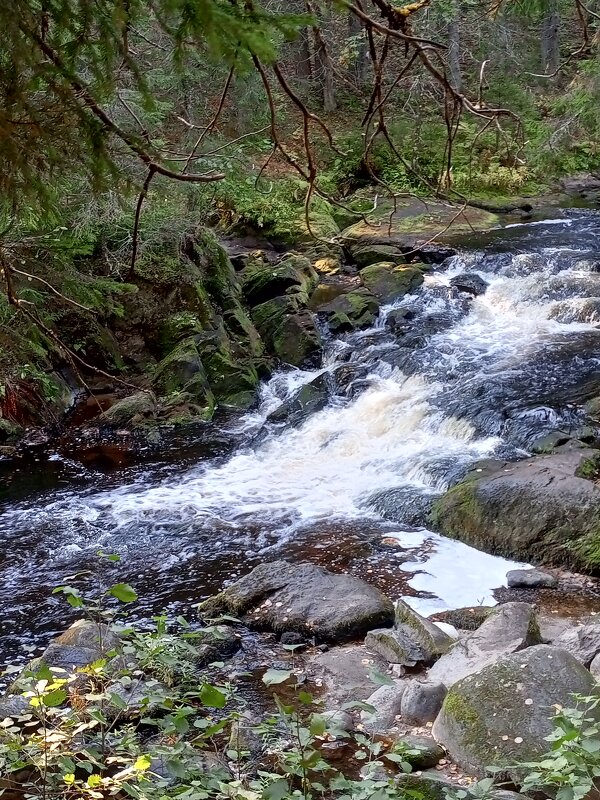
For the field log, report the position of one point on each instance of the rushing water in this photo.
(443, 380)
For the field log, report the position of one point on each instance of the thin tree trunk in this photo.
(454, 38)
(550, 39)
(358, 66)
(323, 63)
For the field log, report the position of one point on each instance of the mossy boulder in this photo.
(183, 371)
(288, 329)
(353, 310)
(308, 399)
(9, 430)
(262, 281)
(135, 409)
(538, 509)
(366, 254)
(389, 281)
(501, 715)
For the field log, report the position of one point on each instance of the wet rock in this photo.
(398, 320)
(290, 638)
(419, 751)
(500, 715)
(530, 579)
(369, 254)
(466, 619)
(538, 509)
(422, 701)
(244, 740)
(308, 399)
(432, 640)
(216, 643)
(388, 281)
(470, 283)
(512, 627)
(182, 370)
(280, 596)
(351, 311)
(386, 702)
(582, 642)
(132, 410)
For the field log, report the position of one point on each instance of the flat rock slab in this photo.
(346, 673)
(510, 628)
(583, 642)
(500, 715)
(280, 596)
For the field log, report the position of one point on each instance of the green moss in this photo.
(457, 510)
(457, 707)
(589, 468)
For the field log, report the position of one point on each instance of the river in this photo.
(455, 380)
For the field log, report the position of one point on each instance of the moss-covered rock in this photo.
(389, 281)
(288, 329)
(538, 509)
(183, 371)
(262, 281)
(135, 409)
(500, 716)
(351, 311)
(367, 254)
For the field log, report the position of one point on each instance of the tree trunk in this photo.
(550, 38)
(454, 50)
(358, 63)
(300, 57)
(323, 62)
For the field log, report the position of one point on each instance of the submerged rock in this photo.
(500, 715)
(538, 509)
(280, 596)
(510, 628)
(310, 397)
(469, 283)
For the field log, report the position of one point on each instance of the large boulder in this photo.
(288, 329)
(500, 715)
(280, 596)
(512, 627)
(132, 410)
(389, 281)
(353, 310)
(433, 640)
(262, 281)
(539, 509)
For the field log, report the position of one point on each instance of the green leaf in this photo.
(55, 698)
(276, 791)
(380, 678)
(274, 676)
(123, 592)
(211, 697)
(142, 764)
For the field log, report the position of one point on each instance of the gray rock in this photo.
(582, 642)
(244, 739)
(386, 702)
(14, 706)
(280, 596)
(595, 667)
(530, 579)
(466, 619)
(419, 751)
(510, 628)
(85, 633)
(500, 715)
(422, 701)
(134, 698)
(338, 722)
(396, 647)
(69, 657)
(429, 785)
(135, 408)
(430, 638)
(346, 673)
(541, 509)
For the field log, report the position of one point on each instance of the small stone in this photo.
(422, 701)
(386, 702)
